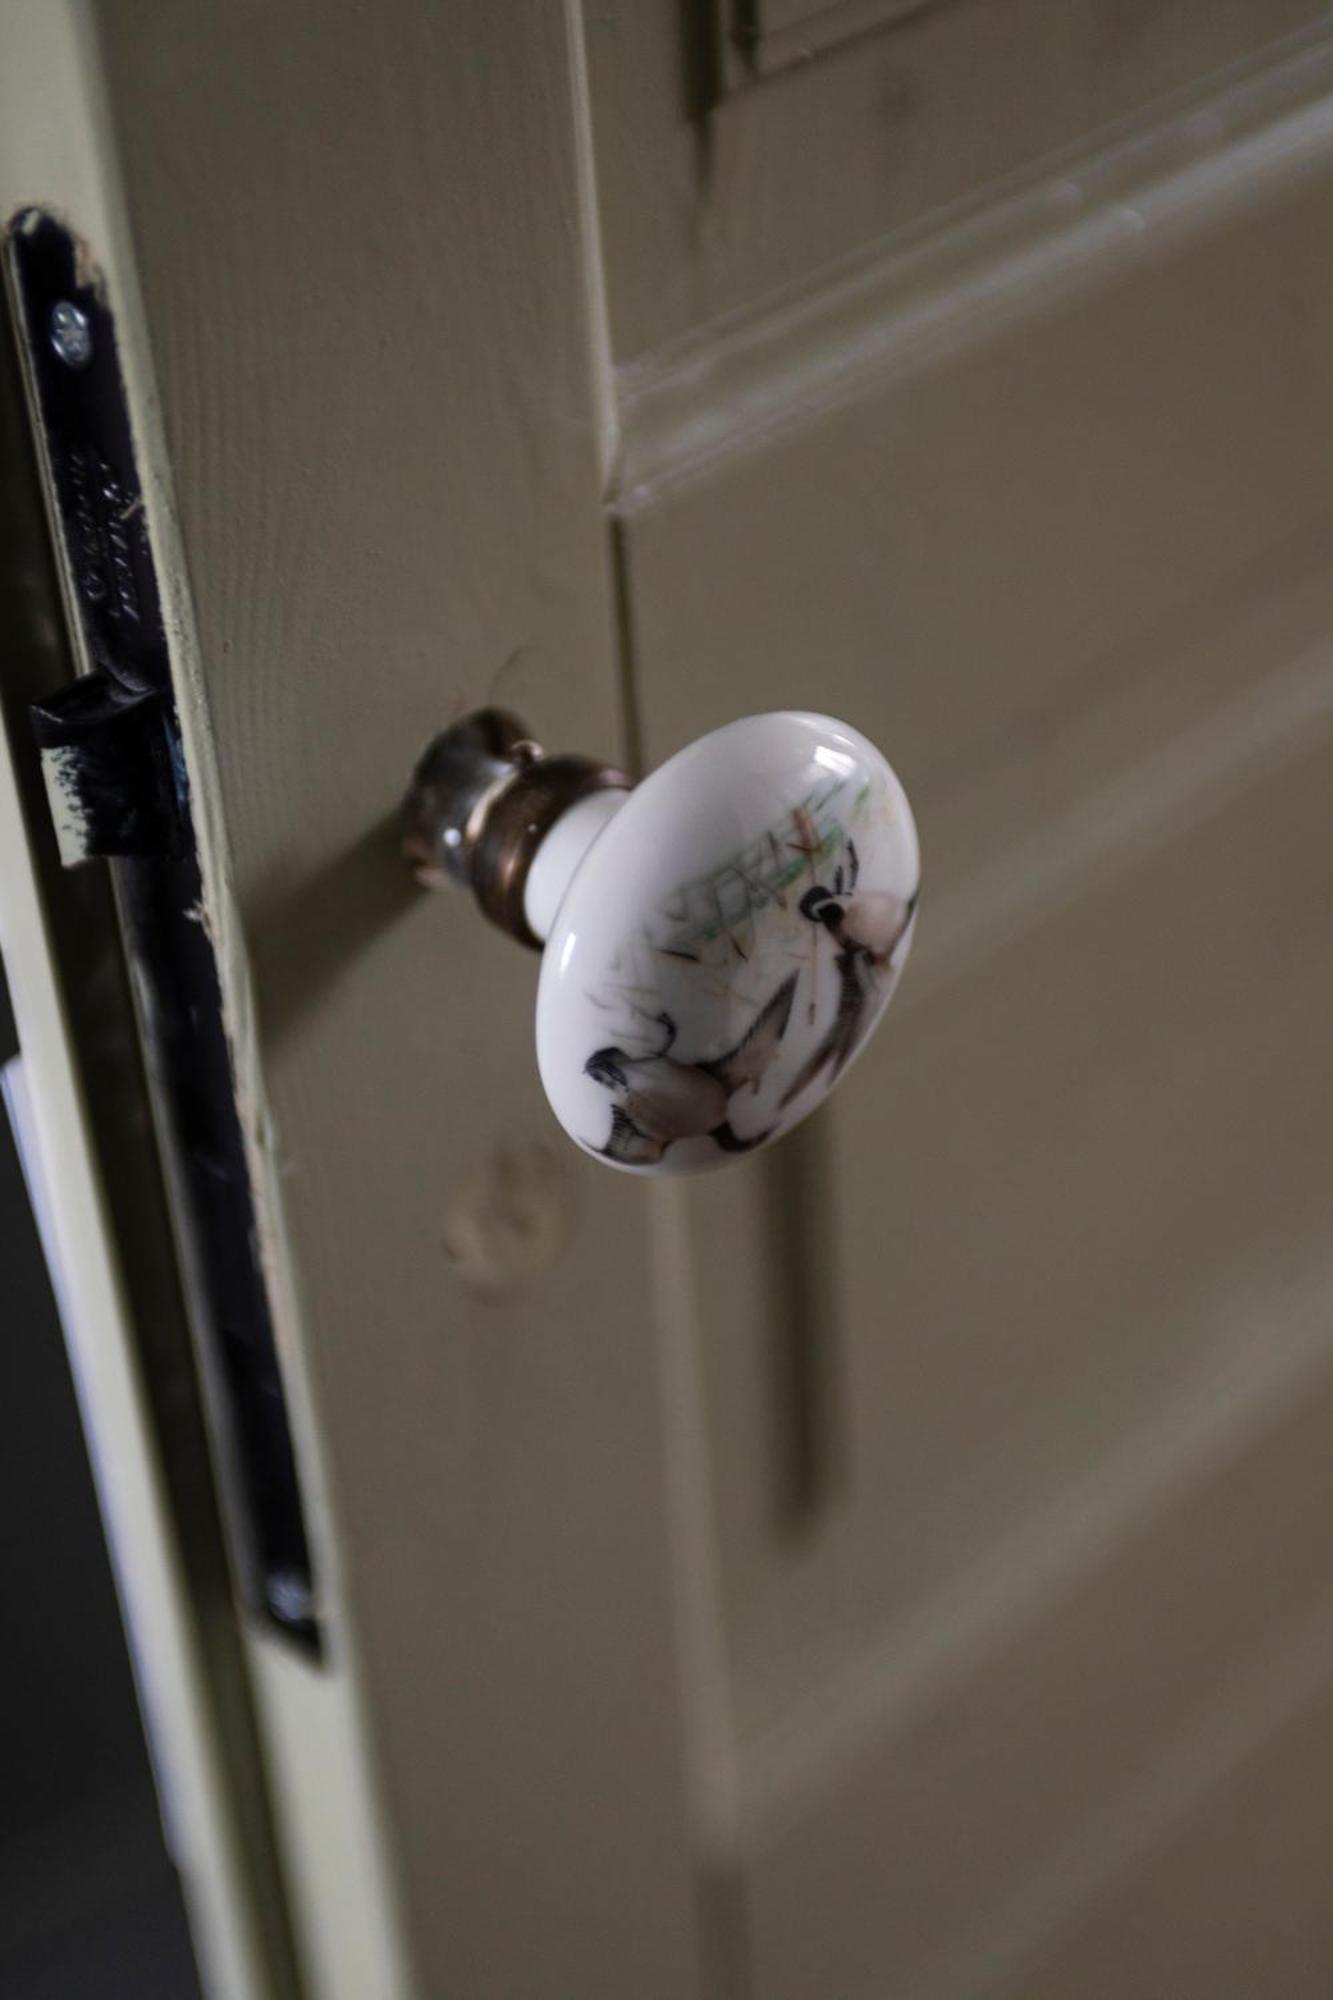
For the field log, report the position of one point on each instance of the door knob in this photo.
(717, 941)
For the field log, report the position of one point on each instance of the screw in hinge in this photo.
(71, 335)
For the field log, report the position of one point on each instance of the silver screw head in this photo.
(289, 1595)
(71, 335)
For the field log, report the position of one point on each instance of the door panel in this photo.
(1165, 1929)
(743, 147)
(996, 1482)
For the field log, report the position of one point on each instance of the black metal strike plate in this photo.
(111, 754)
(106, 739)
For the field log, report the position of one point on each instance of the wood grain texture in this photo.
(358, 239)
(707, 211)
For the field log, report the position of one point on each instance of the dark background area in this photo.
(90, 1905)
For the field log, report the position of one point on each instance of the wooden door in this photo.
(896, 1565)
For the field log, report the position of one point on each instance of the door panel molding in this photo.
(1055, 1814)
(915, 301)
(715, 197)
(771, 35)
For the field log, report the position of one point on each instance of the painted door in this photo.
(896, 1565)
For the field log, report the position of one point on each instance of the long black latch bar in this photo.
(111, 755)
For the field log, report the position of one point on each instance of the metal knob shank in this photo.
(482, 799)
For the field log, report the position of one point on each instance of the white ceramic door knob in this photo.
(719, 940)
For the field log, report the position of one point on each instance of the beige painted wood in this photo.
(360, 247)
(203, 1707)
(717, 189)
(205, 1833)
(896, 1567)
(1165, 1928)
(1010, 1382)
